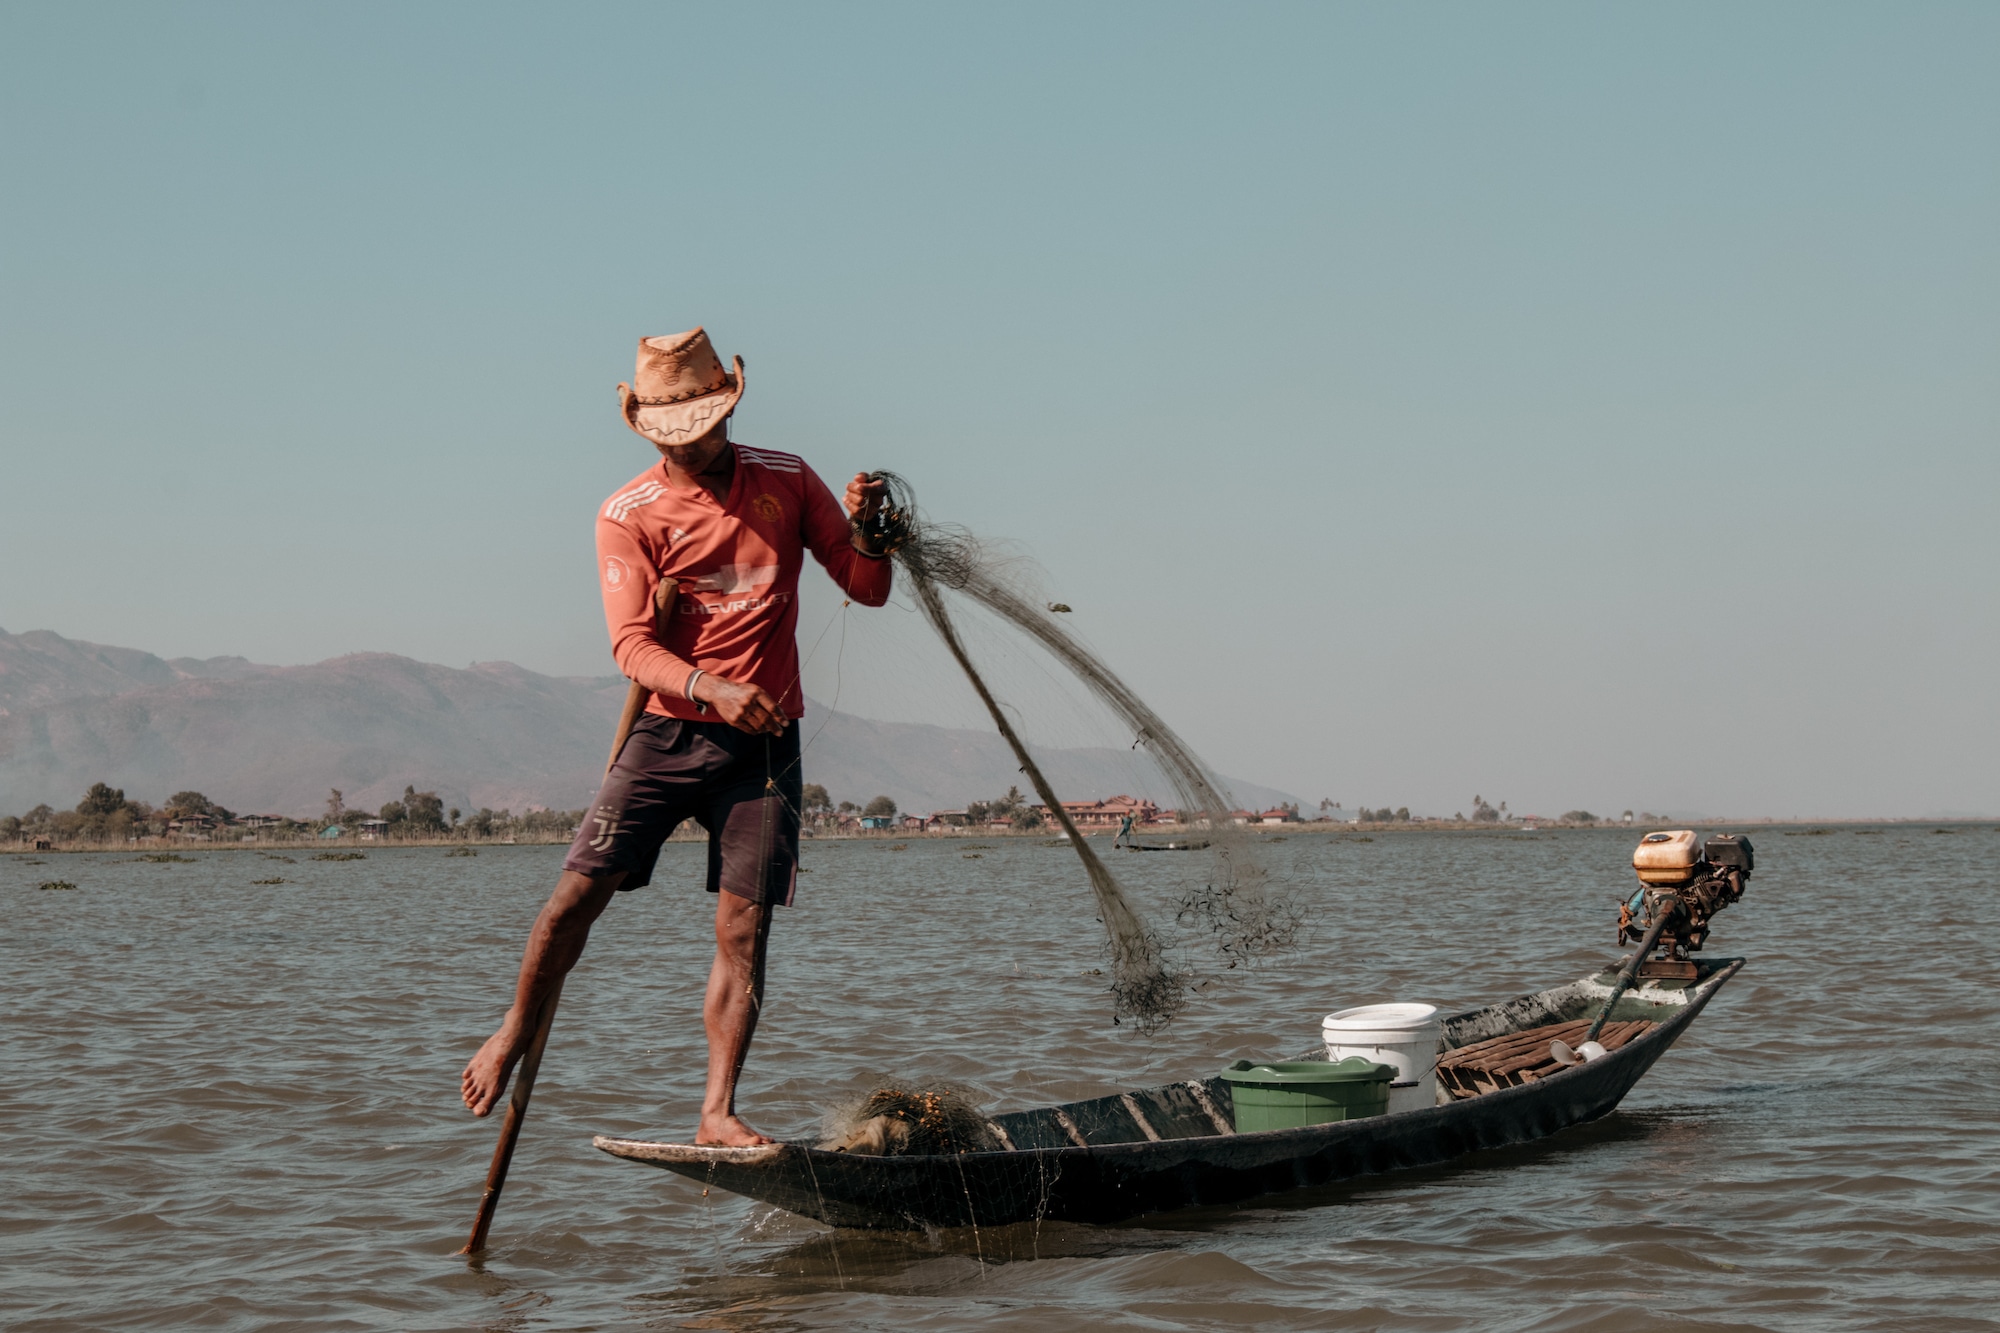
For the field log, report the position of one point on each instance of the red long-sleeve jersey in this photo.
(737, 565)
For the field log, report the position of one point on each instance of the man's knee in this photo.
(738, 922)
(580, 899)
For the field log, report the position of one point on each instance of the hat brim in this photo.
(682, 423)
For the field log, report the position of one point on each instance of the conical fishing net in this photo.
(1240, 918)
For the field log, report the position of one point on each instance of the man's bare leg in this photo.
(554, 945)
(735, 993)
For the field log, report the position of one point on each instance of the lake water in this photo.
(233, 1106)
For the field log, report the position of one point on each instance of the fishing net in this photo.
(1235, 910)
(922, 1119)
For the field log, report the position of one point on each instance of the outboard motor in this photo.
(1685, 883)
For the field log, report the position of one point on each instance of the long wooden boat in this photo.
(1159, 1149)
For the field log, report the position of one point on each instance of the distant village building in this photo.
(1111, 812)
(878, 821)
(373, 828)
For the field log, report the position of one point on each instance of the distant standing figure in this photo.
(729, 526)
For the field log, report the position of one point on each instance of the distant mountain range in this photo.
(276, 739)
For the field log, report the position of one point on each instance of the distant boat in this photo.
(1153, 1150)
(1130, 843)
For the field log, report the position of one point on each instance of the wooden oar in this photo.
(545, 1017)
(510, 1128)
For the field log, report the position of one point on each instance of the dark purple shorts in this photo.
(743, 789)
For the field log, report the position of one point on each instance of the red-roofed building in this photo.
(1109, 813)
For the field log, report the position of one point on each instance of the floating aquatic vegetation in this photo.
(340, 856)
(463, 851)
(273, 880)
(273, 856)
(54, 884)
(166, 858)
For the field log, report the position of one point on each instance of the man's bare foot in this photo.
(485, 1078)
(728, 1131)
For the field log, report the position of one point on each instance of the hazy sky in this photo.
(1581, 405)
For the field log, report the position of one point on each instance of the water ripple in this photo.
(233, 1107)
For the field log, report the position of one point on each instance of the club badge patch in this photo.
(768, 508)
(615, 572)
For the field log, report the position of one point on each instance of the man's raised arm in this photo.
(830, 537)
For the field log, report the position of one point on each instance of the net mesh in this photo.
(931, 1118)
(1237, 912)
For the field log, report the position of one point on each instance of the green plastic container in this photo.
(1288, 1094)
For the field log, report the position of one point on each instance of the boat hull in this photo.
(1109, 1182)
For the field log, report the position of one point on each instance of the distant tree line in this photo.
(1013, 807)
(105, 815)
(820, 810)
(487, 823)
(1483, 812)
(817, 807)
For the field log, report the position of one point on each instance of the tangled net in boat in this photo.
(1242, 918)
(926, 1119)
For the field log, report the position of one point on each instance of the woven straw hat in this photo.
(679, 390)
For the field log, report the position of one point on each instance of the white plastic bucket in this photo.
(1403, 1035)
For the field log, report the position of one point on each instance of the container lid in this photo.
(1376, 1016)
(1354, 1069)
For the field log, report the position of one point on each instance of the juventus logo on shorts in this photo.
(606, 820)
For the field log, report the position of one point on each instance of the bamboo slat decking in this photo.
(1520, 1057)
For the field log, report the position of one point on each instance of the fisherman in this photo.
(718, 742)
